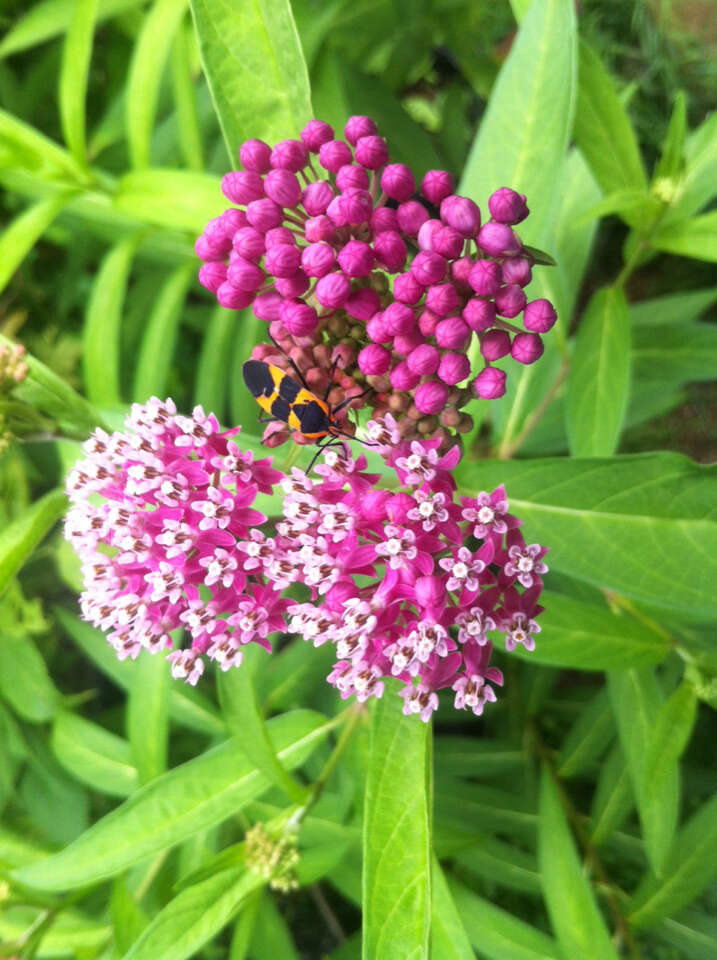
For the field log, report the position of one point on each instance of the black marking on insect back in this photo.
(258, 379)
(280, 409)
(312, 417)
(289, 389)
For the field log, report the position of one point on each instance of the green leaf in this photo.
(690, 867)
(195, 915)
(148, 717)
(103, 320)
(672, 159)
(524, 133)
(698, 184)
(675, 352)
(599, 377)
(156, 350)
(19, 538)
(74, 70)
(251, 54)
(449, 940)
(182, 199)
(497, 934)
(573, 912)
(242, 713)
(196, 795)
(397, 840)
(271, 936)
(585, 636)
(696, 237)
(24, 680)
(676, 308)
(464, 756)
(22, 145)
(215, 360)
(613, 799)
(145, 74)
(649, 521)
(588, 737)
(71, 933)
(501, 863)
(128, 918)
(93, 755)
(636, 701)
(637, 207)
(20, 236)
(602, 129)
(693, 933)
(185, 99)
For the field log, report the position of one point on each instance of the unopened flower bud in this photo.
(448, 242)
(315, 133)
(452, 333)
(332, 291)
(431, 397)
(255, 156)
(357, 127)
(245, 275)
(282, 260)
(376, 329)
(479, 314)
(374, 360)
(527, 347)
(352, 176)
(264, 214)
(405, 343)
(453, 368)
(233, 298)
(355, 205)
(316, 197)
(243, 186)
(517, 270)
(429, 268)
(462, 214)
(363, 304)
(495, 344)
(398, 318)
(424, 360)
(485, 278)
(430, 592)
(356, 259)
(282, 187)
(407, 289)
(294, 286)
(371, 152)
(411, 217)
(498, 240)
(319, 228)
(278, 235)
(509, 301)
(507, 206)
(397, 181)
(374, 504)
(298, 317)
(442, 298)
(289, 155)
(384, 218)
(490, 383)
(402, 377)
(428, 231)
(436, 186)
(212, 275)
(390, 250)
(266, 306)
(460, 271)
(334, 154)
(249, 243)
(539, 316)
(427, 323)
(318, 259)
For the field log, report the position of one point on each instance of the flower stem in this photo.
(508, 447)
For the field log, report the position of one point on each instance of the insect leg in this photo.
(347, 401)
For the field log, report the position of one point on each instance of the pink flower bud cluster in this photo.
(160, 551)
(317, 226)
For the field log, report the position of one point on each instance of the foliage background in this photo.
(578, 818)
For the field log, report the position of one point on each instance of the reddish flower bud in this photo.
(334, 154)
(398, 318)
(255, 156)
(208, 251)
(383, 219)
(266, 306)
(363, 304)
(357, 127)
(407, 289)
(356, 259)
(332, 291)
(282, 260)
(507, 206)
(374, 360)
(428, 231)
(448, 242)
(319, 228)
(460, 271)
(264, 214)
(411, 217)
(397, 181)
(430, 592)
(390, 250)
(212, 276)
(424, 360)
(427, 323)
(352, 176)
(315, 133)
(462, 214)
(289, 155)
(429, 268)
(431, 397)
(436, 186)
(509, 301)
(282, 187)
(402, 377)
(233, 220)
(318, 259)
(452, 333)
(294, 286)
(335, 211)
(233, 298)
(527, 347)
(539, 316)
(405, 343)
(245, 275)
(479, 314)
(498, 240)
(355, 205)
(249, 243)
(485, 278)
(453, 368)
(242, 187)
(376, 329)
(490, 383)
(372, 152)
(517, 270)
(442, 299)
(316, 197)
(495, 344)
(298, 317)
(278, 235)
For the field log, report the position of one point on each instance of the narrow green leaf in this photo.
(195, 915)
(675, 353)
(588, 737)
(466, 756)
(397, 841)
(636, 207)
(20, 236)
(636, 701)
(185, 100)
(93, 755)
(501, 863)
(181, 199)
(127, 916)
(693, 933)
(101, 343)
(613, 799)
(524, 134)
(255, 68)
(696, 237)
(156, 350)
(71, 933)
(196, 795)
(498, 935)
(449, 940)
(148, 717)
(603, 130)
(698, 185)
(215, 360)
(574, 914)
(271, 937)
(19, 538)
(243, 715)
(24, 680)
(74, 71)
(673, 309)
(145, 74)
(23, 146)
(244, 927)
(690, 867)
(599, 377)
(672, 158)
(470, 809)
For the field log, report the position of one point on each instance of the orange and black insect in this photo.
(295, 404)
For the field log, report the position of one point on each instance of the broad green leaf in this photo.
(55, 803)
(215, 359)
(74, 70)
(602, 128)
(194, 916)
(466, 756)
(16, 850)
(24, 680)
(676, 308)
(574, 914)
(145, 74)
(199, 793)
(672, 158)
(185, 100)
(524, 134)
(588, 737)
(271, 936)
(648, 521)
(49, 18)
(498, 935)
(636, 701)
(637, 207)
(93, 755)
(101, 343)
(674, 352)
(599, 377)
(501, 863)
(244, 927)
(255, 69)
(613, 799)
(156, 350)
(20, 236)
(585, 636)
(449, 940)
(182, 199)
(244, 719)
(397, 835)
(19, 538)
(696, 237)
(690, 867)
(148, 716)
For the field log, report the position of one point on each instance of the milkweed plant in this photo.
(342, 390)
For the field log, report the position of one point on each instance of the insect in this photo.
(295, 404)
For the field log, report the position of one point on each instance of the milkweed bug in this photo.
(295, 404)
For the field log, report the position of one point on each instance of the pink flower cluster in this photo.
(318, 225)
